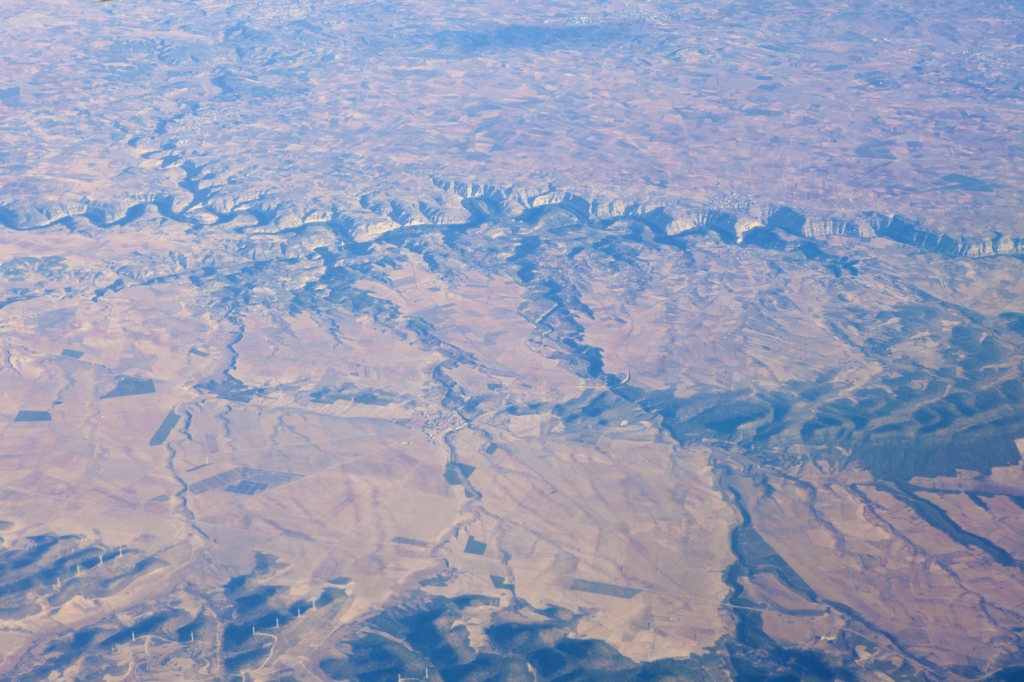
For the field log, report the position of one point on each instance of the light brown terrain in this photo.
(846, 111)
(350, 417)
(509, 341)
(553, 506)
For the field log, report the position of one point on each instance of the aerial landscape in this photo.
(496, 341)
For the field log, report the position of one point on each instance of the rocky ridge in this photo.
(448, 202)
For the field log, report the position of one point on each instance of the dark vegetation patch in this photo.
(902, 231)
(129, 386)
(836, 266)
(63, 652)
(899, 458)
(31, 574)
(424, 642)
(591, 355)
(432, 264)
(967, 340)
(229, 388)
(439, 580)
(499, 582)
(73, 354)
(606, 589)
(759, 557)
(243, 480)
(147, 626)
(938, 518)
(780, 406)
(753, 655)
(1011, 674)
(345, 295)
(32, 416)
(918, 422)
(764, 238)
(1014, 322)
(247, 659)
(348, 391)
(934, 417)
(956, 181)
(726, 419)
(526, 267)
(375, 658)
(787, 220)
(522, 410)
(198, 628)
(978, 500)
(259, 610)
(22, 268)
(117, 286)
(724, 225)
(457, 472)
(474, 546)
(593, 410)
(810, 428)
(707, 414)
(36, 569)
(555, 656)
(246, 487)
(409, 541)
(169, 422)
(875, 150)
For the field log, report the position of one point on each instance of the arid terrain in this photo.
(504, 342)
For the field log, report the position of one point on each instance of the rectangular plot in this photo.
(499, 582)
(247, 487)
(267, 479)
(409, 541)
(216, 482)
(474, 546)
(32, 416)
(128, 386)
(603, 588)
(453, 470)
(168, 423)
(271, 478)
